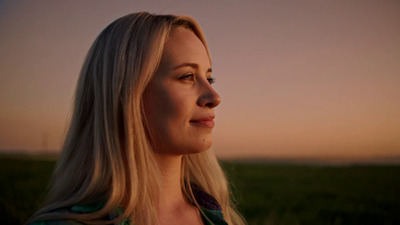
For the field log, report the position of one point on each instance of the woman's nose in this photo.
(209, 97)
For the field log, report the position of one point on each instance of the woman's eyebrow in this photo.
(193, 65)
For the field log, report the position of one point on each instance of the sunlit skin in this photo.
(179, 108)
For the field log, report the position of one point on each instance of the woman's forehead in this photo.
(183, 46)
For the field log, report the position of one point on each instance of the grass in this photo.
(308, 195)
(276, 194)
(23, 182)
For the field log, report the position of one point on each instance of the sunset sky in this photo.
(299, 78)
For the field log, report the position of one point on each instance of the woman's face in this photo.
(179, 101)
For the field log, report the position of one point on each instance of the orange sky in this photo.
(297, 78)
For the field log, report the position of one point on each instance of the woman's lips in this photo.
(207, 121)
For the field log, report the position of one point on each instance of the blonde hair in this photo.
(106, 154)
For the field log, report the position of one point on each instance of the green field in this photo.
(280, 194)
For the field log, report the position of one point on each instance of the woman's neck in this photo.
(172, 207)
(171, 195)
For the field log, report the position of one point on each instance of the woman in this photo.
(135, 152)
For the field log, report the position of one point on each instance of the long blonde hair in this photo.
(106, 155)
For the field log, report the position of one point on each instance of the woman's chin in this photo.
(202, 147)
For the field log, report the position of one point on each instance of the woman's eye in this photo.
(211, 80)
(189, 76)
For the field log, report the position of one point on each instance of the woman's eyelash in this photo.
(190, 77)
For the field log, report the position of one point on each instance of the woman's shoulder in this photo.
(204, 199)
(209, 206)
